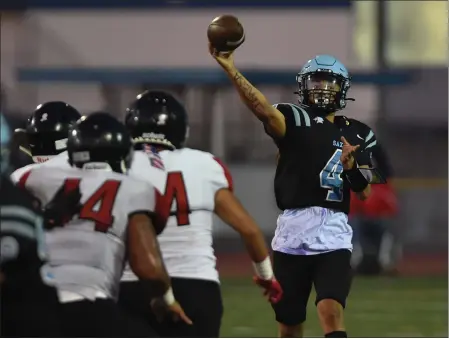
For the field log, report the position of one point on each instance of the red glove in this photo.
(273, 289)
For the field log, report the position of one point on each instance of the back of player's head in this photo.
(323, 84)
(157, 118)
(5, 138)
(100, 141)
(47, 129)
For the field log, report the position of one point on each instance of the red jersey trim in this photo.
(23, 179)
(227, 174)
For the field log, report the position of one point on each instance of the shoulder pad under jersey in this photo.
(299, 115)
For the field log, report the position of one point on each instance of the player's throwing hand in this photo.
(224, 59)
(347, 155)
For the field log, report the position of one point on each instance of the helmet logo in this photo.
(162, 119)
(44, 117)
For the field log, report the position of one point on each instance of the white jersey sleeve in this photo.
(142, 198)
(18, 173)
(61, 161)
(218, 174)
(149, 167)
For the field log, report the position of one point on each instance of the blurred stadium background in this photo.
(98, 54)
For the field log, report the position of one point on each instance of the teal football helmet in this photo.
(323, 84)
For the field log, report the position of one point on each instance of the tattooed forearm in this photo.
(273, 120)
(251, 96)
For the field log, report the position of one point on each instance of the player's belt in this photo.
(68, 297)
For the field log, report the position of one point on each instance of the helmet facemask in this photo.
(322, 90)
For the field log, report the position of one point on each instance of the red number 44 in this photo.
(98, 207)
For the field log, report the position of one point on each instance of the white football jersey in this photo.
(194, 177)
(18, 173)
(60, 160)
(87, 255)
(147, 166)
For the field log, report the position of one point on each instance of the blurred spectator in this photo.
(19, 154)
(376, 245)
(2, 97)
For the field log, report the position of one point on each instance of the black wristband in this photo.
(356, 180)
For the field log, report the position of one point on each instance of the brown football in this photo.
(225, 33)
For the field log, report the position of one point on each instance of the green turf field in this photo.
(377, 307)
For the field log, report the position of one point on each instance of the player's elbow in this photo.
(249, 231)
(275, 124)
(146, 266)
(143, 271)
(144, 256)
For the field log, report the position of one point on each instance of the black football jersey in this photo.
(28, 305)
(309, 171)
(19, 159)
(21, 234)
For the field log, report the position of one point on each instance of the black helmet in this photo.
(157, 118)
(48, 126)
(99, 139)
